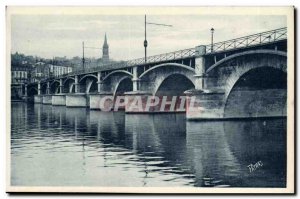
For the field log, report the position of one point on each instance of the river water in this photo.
(59, 146)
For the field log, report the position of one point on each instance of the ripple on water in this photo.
(58, 147)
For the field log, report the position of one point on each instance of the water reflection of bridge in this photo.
(167, 144)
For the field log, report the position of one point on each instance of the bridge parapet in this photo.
(176, 55)
(247, 41)
(229, 45)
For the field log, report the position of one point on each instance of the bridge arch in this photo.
(44, 88)
(32, 91)
(124, 85)
(244, 62)
(112, 81)
(88, 83)
(86, 76)
(68, 85)
(166, 65)
(258, 93)
(174, 85)
(261, 70)
(91, 86)
(116, 72)
(55, 81)
(152, 79)
(250, 52)
(68, 79)
(71, 88)
(54, 87)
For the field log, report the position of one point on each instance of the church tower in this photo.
(105, 55)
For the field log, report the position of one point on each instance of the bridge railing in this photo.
(242, 42)
(250, 40)
(180, 54)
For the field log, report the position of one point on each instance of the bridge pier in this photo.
(145, 102)
(39, 88)
(76, 84)
(48, 88)
(59, 99)
(38, 99)
(99, 82)
(135, 79)
(136, 101)
(61, 86)
(204, 104)
(77, 100)
(200, 67)
(47, 99)
(25, 96)
(242, 103)
(101, 101)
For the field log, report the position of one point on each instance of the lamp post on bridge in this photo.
(145, 41)
(83, 60)
(212, 39)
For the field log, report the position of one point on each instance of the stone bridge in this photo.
(243, 77)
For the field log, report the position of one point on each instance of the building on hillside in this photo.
(20, 76)
(42, 71)
(39, 71)
(56, 71)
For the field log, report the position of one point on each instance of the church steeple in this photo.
(105, 45)
(105, 55)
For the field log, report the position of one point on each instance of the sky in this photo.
(62, 35)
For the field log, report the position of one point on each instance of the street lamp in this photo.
(212, 39)
(83, 59)
(145, 41)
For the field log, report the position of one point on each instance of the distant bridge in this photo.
(208, 72)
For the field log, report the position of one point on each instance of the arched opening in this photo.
(174, 85)
(54, 88)
(125, 85)
(44, 88)
(87, 84)
(32, 91)
(93, 87)
(117, 73)
(114, 82)
(16, 92)
(69, 86)
(260, 92)
(171, 93)
(165, 66)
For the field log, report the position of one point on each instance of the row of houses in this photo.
(41, 70)
(24, 73)
(29, 74)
